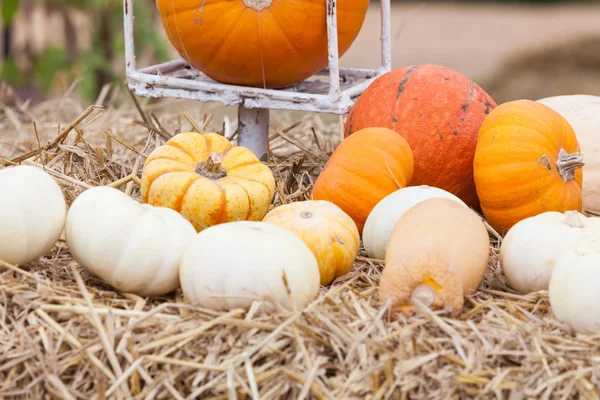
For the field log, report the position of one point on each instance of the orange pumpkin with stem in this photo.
(264, 43)
(527, 161)
(363, 169)
(207, 180)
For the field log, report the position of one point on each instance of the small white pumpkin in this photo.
(135, 248)
(573, 290)
(384, 216)
(32, 214)
(232, 265)
(583, 113)
(532, 246)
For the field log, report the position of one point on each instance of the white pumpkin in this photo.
(531, 247)
(32, 214)
(384, 216)
(583, 113)
(232, 265)
(135, 248)
(573, 290)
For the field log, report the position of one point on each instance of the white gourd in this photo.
(384, 216)
(32, 214)
(583, 114)
(573, 290)
(531, 247)
(135, 248)
(232, 265)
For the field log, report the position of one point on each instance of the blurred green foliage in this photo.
(100, 64)
(97, 66)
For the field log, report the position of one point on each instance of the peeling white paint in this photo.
(334, 94)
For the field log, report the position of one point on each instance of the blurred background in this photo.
(513, 49)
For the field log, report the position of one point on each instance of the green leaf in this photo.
(9, 9)
(11, 73)
(100, 4)
(51, 61)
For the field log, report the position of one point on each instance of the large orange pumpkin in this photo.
(264, 43)
(527, 162)
(439, 112)
(363, 169)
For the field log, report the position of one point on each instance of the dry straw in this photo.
(63, 334)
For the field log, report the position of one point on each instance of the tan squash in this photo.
(437, 253)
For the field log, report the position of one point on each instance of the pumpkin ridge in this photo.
(249, 202)
(154, 178)
(226, 39)
(179, 203)
(150, 161)
(182, 149)
(386, 158)
(501, 131)
(222, 206)
(285, 35)
(251, 180)
(246, 164)
(337, 223)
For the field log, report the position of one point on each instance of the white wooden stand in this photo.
(332, 90)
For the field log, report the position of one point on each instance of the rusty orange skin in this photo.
(258, 43)
(328, 231)
(513, 179)
(438, 111)
(175, 176)
(364, 169)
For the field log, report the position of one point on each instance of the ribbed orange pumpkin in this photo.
(207, 180)
(527, 162)
(439, 112)
(363, 169)
(264, 43)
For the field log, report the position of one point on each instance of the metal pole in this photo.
(253, 126)
(130, 61)
(332, 49)
(386, 36)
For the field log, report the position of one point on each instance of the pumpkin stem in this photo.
(423, 293)
(422, 278)
(306, 214)
(568, 163)
(574, 219)
(258, 5)
(211, 168)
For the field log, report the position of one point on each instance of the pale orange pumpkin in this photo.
(527, 161)
(326, 229)
(207, 180)
(366, 167)
(437, 254)
(264, 43)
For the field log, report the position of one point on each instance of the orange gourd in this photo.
(327, 231)
(527, 162)
(207, 180)
(439, 112)
(264, 43)
(363, 169)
